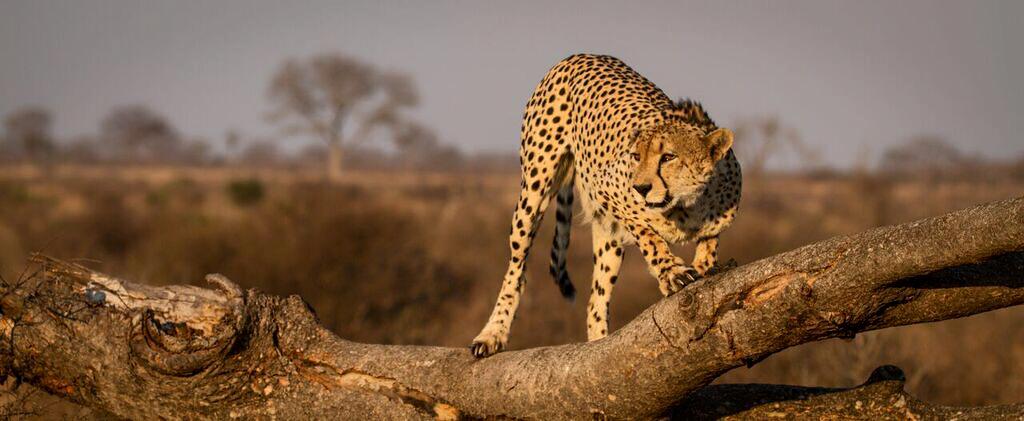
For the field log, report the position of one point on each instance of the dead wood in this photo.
(175, 352)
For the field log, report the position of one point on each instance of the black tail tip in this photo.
(567, 289)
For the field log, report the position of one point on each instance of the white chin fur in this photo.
(690, 197)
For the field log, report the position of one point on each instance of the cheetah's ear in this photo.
(719, 142)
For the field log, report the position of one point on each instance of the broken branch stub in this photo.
(175, 330)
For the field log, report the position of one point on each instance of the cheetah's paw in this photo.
(487, 344)
(722, 268)
(677, 278)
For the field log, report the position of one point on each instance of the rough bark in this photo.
(186, 352)
(880, 397)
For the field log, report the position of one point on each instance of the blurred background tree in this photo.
(260, 152)
(930, 157)
(418, 147)
(762, 139)
(139, 135)
(136, 133)
(27, 132)
(339, 100)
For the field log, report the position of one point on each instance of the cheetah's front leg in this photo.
(607, 261)
(671, 271)
(706, 256)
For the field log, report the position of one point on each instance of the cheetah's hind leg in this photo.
(537, 189)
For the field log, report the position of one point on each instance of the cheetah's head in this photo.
(674, 161)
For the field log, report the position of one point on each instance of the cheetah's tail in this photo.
(559, 250)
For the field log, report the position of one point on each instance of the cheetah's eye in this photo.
(668, 157)
(636, 156)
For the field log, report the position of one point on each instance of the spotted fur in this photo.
(647, 171)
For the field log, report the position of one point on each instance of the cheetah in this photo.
(649, 171)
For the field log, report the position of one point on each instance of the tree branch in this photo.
(146, 352)
(880, 397)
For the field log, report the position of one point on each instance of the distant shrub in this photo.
(180, 193)
(245, 192)
(157, 198)
(13, 192)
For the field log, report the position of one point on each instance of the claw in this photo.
(684, 276)
(481, 348)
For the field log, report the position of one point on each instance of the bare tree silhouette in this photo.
(339, 100)
(928, 156)
(418, 146)
(260, 152)
(27, 132)
(764, 137)
(137, 133)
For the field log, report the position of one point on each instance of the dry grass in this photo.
(417, 258)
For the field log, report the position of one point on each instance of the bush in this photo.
(245, 192)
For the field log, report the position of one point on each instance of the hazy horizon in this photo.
(849, 76)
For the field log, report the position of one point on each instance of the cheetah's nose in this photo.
(642, 188)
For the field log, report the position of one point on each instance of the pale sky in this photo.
(849, 75)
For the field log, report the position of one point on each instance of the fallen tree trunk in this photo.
(138, 351)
